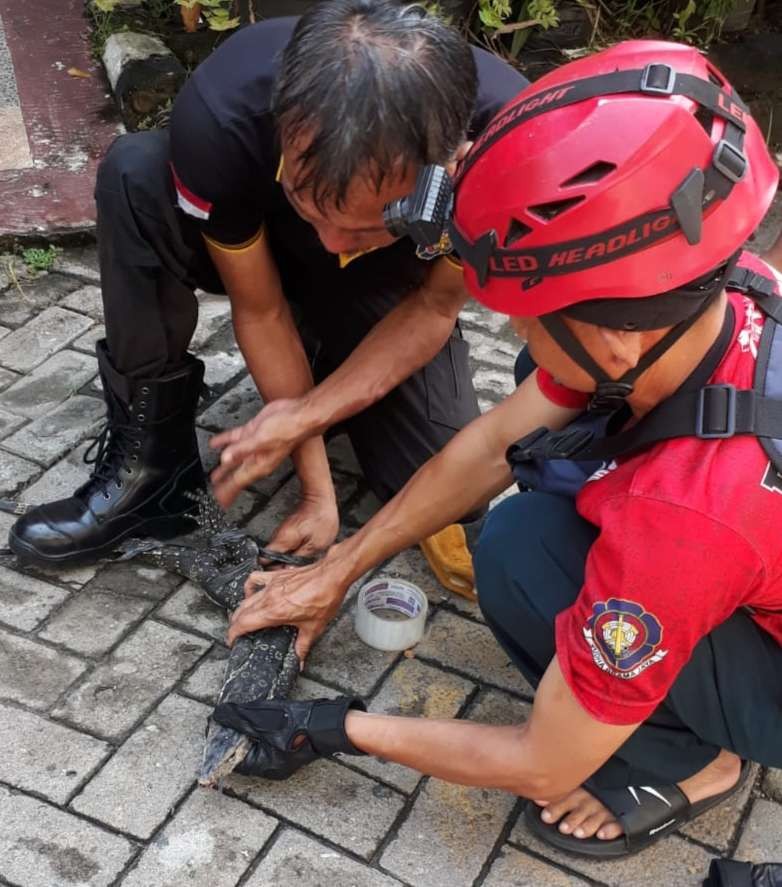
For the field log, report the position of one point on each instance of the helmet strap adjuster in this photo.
(658, 78)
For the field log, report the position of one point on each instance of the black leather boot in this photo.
(146, 459)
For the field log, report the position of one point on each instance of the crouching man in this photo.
(637, 582)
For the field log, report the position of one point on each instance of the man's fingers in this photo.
(255, 582)
(227, 486)
(225, 437)
(304, 641)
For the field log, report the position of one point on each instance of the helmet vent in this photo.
(516, 230)
(549, 211)
(591, 174)
(715, 77)
(706, 119)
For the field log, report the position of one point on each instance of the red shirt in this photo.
(689, 533)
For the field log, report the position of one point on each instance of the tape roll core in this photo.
(390, 614)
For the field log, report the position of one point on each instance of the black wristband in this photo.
(326, 725)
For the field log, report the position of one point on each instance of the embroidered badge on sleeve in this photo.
(623, 637)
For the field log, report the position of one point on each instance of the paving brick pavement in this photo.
(107, 674)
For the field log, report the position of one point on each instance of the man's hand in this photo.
(307, 597)
(310, 529)
(253, 450)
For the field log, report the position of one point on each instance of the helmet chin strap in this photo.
(611, 394)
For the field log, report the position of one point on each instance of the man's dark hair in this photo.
(379, 87)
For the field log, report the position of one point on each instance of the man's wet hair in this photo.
(372, 88)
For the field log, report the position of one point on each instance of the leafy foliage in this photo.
(506, 24)
(37, 259)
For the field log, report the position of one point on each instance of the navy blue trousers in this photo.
(529, 566)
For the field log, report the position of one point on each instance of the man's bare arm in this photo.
(275, 356)
(465, 474)
(553, 753)
(401, 343)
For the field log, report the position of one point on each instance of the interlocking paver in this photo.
(671, 861)
(15, 472)
(16, 308)
(414, 690)
(210, 843)
(470, 647)
(49, 331)
(214, 312)
(80, 262)
(85, 300)
(61, 479)
(223, 358)
(494, 383)
(7, 378)
(192, 609)
(772, 784)
(237, 406)
(37, 755)
(49, 437)
(34, 674)
(492, 349)
(41, 846)
(156, 765)
(26, 602)
(206, 680)
(347, 808)
(760, 837)
(86, 343)
(513, 868)
(94, 620)
(54, 381)
(9, 423)
(298, 860)
(137, 579)
(448, 835)
(122, 688)
(340, 657)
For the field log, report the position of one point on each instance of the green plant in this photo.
(218, 13)
(37, 259)
(517, 18)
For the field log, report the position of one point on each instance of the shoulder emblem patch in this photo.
(623, 637)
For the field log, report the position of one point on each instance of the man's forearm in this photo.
(401, 343)
(467, 473)
(457, 751)
(278, 364)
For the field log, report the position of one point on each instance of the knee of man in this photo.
(134, 161)
(509, 529)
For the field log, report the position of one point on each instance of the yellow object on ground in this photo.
(451, 561)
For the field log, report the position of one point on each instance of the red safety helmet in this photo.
(623, 175)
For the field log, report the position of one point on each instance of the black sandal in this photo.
(646, 813)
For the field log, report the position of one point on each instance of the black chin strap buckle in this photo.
(610, 396)
(716, 413)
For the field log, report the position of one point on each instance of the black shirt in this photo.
(225, 154)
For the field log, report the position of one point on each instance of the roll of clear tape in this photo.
(390, 614)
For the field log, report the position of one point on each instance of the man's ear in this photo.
(461, 153)
(626, 346)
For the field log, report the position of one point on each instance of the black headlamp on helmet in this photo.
(425, 214)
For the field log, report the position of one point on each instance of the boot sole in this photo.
(157, 527)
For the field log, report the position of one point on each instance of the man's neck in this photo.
(665, 375)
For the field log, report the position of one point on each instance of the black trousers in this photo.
(529, 566)
(152, 257)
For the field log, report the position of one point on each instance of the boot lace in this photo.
(110, 452)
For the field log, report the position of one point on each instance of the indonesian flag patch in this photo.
(188, 202)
